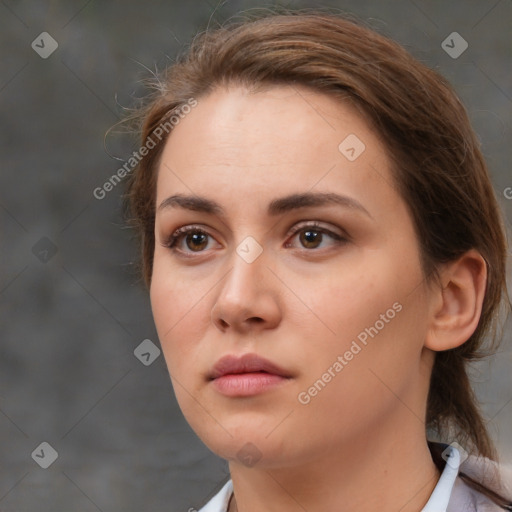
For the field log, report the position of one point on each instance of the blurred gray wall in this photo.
(71, 310)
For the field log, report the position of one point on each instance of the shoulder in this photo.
(468, 499)
(495, 477)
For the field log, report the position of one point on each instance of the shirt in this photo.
(451, 494)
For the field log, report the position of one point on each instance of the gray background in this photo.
(70, 321)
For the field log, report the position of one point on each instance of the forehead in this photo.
(284, 138)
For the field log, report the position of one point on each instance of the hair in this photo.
(436, 162)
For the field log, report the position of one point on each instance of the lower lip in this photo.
(247, 384)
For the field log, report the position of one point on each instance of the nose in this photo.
(248, 298)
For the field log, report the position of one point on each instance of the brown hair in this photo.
(437, 164)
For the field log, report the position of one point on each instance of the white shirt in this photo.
(451, 494)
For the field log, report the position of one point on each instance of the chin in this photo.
(249, 445)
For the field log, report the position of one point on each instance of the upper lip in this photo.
(248, 363)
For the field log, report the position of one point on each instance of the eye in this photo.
(312, 235)
(194, 238)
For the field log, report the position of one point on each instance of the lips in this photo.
(247, 376)
(248, 363)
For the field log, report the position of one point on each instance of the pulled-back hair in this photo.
(437, 164)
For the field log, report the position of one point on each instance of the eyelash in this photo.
(173, 240)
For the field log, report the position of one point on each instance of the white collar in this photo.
(440, 497)
(438, 501)
(219, 503)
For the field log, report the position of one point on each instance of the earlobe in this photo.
(456, 305)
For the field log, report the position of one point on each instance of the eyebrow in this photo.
(275, 207)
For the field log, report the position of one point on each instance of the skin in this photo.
(361, 441)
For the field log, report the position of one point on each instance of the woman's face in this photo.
(300, 252)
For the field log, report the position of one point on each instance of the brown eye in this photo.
(314, 236)
(310, 238)
(188, 239)
(196, 241)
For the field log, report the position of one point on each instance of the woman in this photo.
(324, 254)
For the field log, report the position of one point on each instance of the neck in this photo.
(366, 474)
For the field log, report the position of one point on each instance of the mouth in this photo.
(248, 363)
(247, 375)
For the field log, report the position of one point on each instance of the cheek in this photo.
(350, 301)
(371, 314)
(174, 292)
(180, 315)
(367, 370)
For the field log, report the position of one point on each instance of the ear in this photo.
(456, 306)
